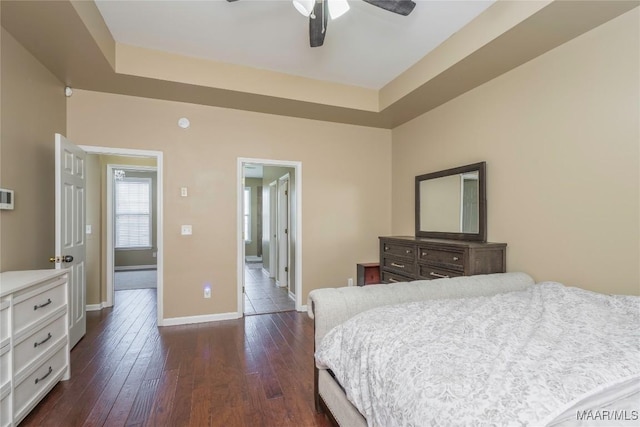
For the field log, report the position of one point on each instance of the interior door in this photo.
(70, 229)
(283, 233)
(273, 229)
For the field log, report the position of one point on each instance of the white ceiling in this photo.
(366, 47)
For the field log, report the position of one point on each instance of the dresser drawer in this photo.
(5, 364)
(388, 277)
(398, 250)
(5, 413)
(33, 388)
(432, 255)
(433, 272)
(4, 321)
(38, 343)
(34, 306)
(399, 265)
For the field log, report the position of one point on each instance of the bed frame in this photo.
(332, 306)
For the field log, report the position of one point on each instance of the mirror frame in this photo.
(481, 236)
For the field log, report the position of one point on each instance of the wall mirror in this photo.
(451, 204)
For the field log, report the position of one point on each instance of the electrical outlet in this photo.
(207, 292)
(350, 281)
(184, 192)
(186, 230)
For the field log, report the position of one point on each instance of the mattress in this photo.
(548, 355)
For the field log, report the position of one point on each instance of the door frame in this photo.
(111, 226)
(297, 167)
(158, 155)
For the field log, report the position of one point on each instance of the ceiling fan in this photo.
(319, 11)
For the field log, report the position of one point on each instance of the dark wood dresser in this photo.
(415, 258)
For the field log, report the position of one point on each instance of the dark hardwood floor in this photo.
(255, 371)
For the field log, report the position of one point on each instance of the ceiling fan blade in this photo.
(318, 25)
(401, 7)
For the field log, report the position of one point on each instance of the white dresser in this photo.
(34, 339)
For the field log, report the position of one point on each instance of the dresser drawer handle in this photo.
(455, 258)
(424, 254)
(36, 344)
(386, 248)
(393, 264)
(392, 280)
(439, 276)
(45, 375)
(408, 251)
(35, 307)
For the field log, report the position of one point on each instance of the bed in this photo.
(493, 349)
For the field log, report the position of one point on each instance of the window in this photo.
(133, 213)
(247, 214)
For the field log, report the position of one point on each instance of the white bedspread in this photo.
(520, 358)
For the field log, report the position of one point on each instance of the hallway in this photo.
(261, 293)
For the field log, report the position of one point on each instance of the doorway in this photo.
(114, 159)
(269, 281)
(131, 217)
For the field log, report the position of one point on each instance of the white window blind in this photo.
(247, 214)
(133, 212)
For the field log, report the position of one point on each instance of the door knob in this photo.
(67, 258)
(53, 259)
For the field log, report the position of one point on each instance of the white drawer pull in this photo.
(393, 264)
(45, 375)
(408, 251)
(455, 258)
(35, 307)
(36, 344)
(440, 276)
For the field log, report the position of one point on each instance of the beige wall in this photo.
(33, 110)
(343, 211)
(560, 135)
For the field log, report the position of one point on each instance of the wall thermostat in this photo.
(6, 199)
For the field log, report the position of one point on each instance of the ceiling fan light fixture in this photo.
(305, 7)
(337, 8)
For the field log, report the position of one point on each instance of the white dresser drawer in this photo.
(38, 343)
(5, 365)
(5, 412)
(32, 306)
(4, 321)
(31, 390)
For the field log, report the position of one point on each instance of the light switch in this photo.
(186, 230)
(184, 192)
(88, 228)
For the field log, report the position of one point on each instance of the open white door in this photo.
(283, 232)
(70, 230)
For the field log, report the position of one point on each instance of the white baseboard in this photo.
(187, 320)
(136, 267)
(303, 308)
(96, 307)
(252, 258)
